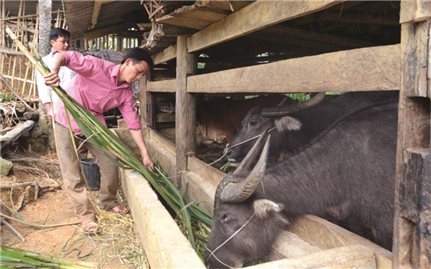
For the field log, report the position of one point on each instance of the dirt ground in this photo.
(116, 246)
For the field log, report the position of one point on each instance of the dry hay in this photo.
(116, 239)
(119, 239)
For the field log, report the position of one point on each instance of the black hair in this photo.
(58, 32)
(139, 54)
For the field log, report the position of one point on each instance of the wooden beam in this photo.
(185, 110)
(162, 86)
(165, 55)
(366, 69)
(415, 11)
(96, 11)
(410, 248)
(253, 17)
(192, 16)
(11, 52)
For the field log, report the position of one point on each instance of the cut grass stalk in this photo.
(18, 258)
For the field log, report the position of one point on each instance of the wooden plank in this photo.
(165, 55)
(162, 86)
(185, 109)
(11, 52)
(96, 11)
(146, 101)
(326, 235)
(254, 17)
(413, 132)
(192, 17)
(417, 60)
(414, 204)
(366, 69)
(415, 11)
(225, 5)
(354, 256)
(165, 245)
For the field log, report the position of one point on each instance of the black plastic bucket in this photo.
(91, 172)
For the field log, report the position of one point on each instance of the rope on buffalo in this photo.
(225, 152)
(227, 240)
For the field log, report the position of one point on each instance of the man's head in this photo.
(134, 65)
(59, 39)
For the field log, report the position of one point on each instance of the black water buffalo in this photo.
(315, 118)
(346, 175)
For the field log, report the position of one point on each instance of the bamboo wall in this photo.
(14, 66)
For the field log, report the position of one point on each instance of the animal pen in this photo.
(210, 48)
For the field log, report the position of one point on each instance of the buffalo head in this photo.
(260, 119)
(243, 227)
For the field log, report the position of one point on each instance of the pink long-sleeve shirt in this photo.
(96, 88)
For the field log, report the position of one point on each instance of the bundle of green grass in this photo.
(18, 258)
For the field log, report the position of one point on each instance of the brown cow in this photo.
(219, 119)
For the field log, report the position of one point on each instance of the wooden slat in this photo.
(10, 51)
(415, 11)
(348, 257)
(366, 69)
(192, 17)
(254, 17)
(162, 86)
(165, 55)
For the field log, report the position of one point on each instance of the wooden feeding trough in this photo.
(310, 241)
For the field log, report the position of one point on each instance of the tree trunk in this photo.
(45, 16)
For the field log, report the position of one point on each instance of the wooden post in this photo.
(412, 223)
(45, 7)
(185, 110)
(146, 101)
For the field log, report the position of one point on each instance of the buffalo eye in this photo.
(253, 122)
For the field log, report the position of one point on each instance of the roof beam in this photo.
(96, 11)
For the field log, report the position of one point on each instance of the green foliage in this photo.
(18, 258)
(5, 97)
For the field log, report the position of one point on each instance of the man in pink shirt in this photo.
(99, 86)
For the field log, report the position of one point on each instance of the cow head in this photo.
(260, 119)
(244, 227)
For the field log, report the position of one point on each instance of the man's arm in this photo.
(138, 137)
(52, 79)
(44, 91)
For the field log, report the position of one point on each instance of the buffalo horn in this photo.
(247, 163)
(282, 111)
(236, 192)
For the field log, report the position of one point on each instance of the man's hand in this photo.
(49, 111)
(52, 79)
(147, 161)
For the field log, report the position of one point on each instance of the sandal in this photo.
(90, 228)
(120, 209)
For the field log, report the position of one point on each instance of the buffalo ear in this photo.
(287, 124)
(264, 207)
